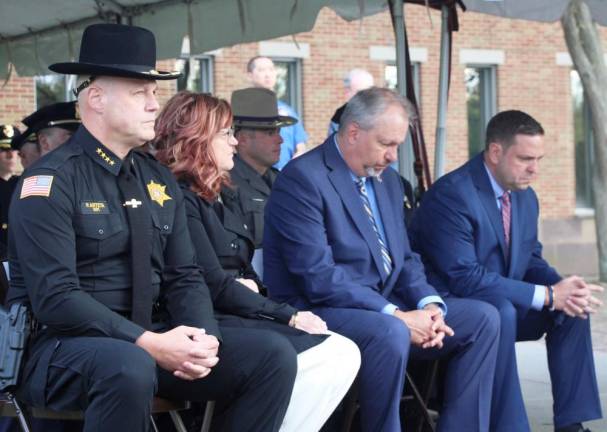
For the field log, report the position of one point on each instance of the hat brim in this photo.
(125, 71)
(18, 141)
(264, 122)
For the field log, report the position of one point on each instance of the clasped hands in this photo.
(188, 352)
(427, 326)
(575, 297)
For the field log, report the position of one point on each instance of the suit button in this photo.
(166, 227)
(100, 232)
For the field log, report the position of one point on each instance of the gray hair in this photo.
(367, 105)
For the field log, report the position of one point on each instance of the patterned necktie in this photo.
(385, 254)
(506, 217)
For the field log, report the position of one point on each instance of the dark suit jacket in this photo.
(249, 196)
(223, 250)
(320, 248)
(459, 232)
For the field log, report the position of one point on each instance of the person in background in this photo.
(9, 163)
(47, 129)
(261, 72)
(355, 81)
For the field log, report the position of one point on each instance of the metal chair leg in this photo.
(21, 415)
(420, 401)
(208, 417)
(177, 422)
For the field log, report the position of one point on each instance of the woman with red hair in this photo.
(195, 140)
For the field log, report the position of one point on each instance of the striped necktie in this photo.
(506, 219)
(385, 254)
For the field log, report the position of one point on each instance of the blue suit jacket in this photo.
(320, 248)
(458, 230)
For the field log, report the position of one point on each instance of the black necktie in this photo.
(140, 225)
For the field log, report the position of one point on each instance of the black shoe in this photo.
(577, 427)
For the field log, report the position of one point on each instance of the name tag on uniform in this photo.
(94, 207)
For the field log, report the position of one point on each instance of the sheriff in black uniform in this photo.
(257, 126)
(100, 250)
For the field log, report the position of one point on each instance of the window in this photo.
(584, 152)
(53, 88)
(288, 82)
(481, 102)
(390, 78)
(197, 73)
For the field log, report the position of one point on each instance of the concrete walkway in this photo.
(535, 381)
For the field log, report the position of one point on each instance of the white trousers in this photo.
(324, 375)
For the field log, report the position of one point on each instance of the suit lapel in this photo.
(339, 176)
(487, 198)
(388, 217)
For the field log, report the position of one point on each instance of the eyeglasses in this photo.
(227, 132)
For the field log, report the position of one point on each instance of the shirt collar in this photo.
(497, 189)
(355, 178)
(98, 152)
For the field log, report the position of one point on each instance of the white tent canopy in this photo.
(34, 33)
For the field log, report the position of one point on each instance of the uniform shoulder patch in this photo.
(39, 185)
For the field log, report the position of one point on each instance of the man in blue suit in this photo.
(477, 232)
(335, 242)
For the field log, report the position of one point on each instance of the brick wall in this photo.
(529, 80)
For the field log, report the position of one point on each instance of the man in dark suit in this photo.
(335, 242)
(477, 231)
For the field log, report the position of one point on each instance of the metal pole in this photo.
(443, 89)
(405, 151)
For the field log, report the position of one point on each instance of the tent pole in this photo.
(443, 89)
(399, 32)
(405, 152)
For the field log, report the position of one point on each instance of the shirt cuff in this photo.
(389, 309)
(539, 296)
(433, 299)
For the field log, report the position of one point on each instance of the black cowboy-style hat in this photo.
(257, 108)
(7, 133)
(116, 50)
(62, 115)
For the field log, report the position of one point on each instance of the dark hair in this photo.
(504, 126)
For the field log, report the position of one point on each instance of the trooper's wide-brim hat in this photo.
(62, 115)
(257, 108)
(116, 50)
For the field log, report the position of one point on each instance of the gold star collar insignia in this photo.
(157, 193)
(105, 157)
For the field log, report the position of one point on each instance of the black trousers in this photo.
(114, 381)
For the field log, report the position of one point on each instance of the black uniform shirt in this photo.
(250, 196)
(6, 191)
(69, 244)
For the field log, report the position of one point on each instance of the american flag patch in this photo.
(36, 186)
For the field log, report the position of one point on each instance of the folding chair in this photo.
(10, 407)
(413, 393)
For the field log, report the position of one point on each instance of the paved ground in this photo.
(533, 370)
